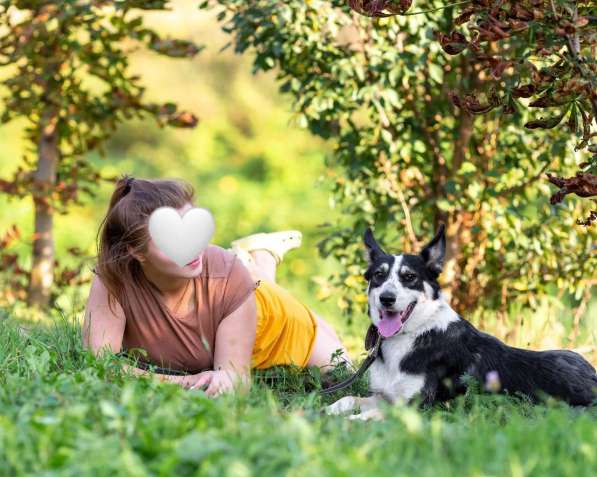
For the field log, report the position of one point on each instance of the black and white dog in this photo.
(427, 349)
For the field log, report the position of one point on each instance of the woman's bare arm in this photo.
(235, 338)
(103, 330)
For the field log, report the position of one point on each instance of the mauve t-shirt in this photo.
(186, 341)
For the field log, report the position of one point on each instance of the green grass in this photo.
(64, 412)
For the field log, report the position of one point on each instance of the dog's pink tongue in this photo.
(389, 324)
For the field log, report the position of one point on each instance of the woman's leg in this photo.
(327, 344)
(264, 266)
(262, 252)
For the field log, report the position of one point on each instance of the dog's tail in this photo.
(570, 377)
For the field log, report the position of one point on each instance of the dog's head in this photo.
(403, 287)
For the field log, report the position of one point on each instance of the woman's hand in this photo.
(214, 382)
(186, 381)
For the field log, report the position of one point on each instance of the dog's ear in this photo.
(371, 246)
(434, 252)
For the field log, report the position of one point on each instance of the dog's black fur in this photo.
(445, 355)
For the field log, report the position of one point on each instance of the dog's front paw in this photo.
(342, 406)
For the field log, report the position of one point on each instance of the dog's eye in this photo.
(379, 274)
(408, 277)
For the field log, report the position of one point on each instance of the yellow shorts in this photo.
(286, 328)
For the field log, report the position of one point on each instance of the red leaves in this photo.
(10, 236)
(521, 13)
(465, 16)
(20, 184)
(455, 99)
(492, 30)
(525, 91)
(545, 48)
(14, 277)
(547, 123)
(495, 64)
(183, 120)
(7, 187)
(404, 5)
(548, 100)
(380, 8)
(473, 105)
(169, 114)
(499, 67)
(174, 48)
(453, 43)
(583, 184)
(124, 99)
(589, 220)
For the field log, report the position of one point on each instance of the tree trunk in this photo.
(462, 140)
(44, 180)
(458, 224)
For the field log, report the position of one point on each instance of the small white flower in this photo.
(492, 381)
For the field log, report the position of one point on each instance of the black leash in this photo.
(154, 368)
(372, 356)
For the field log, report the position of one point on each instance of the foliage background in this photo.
(255, 168)
(249, 165)
(405, 161)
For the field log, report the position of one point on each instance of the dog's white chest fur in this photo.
(387, 379)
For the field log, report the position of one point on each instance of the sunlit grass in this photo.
(64, 412)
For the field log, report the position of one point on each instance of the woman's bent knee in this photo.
(327, 345)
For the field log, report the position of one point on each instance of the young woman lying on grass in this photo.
(214, 318)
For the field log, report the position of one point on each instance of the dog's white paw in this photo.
(342, 406)
(370, 415)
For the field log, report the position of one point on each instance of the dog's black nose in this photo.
(387, 299)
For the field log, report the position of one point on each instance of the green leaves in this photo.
(55, 71)
(142, 4)
(436, 73)
(405, 157)
(65, 70)
(547, 123)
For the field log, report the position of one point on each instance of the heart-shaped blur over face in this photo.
(181, 238)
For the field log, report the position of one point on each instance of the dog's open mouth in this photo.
(391, 321)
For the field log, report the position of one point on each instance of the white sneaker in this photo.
(244, 256)
(277, 243)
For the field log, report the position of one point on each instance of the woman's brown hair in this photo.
(124, 232)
